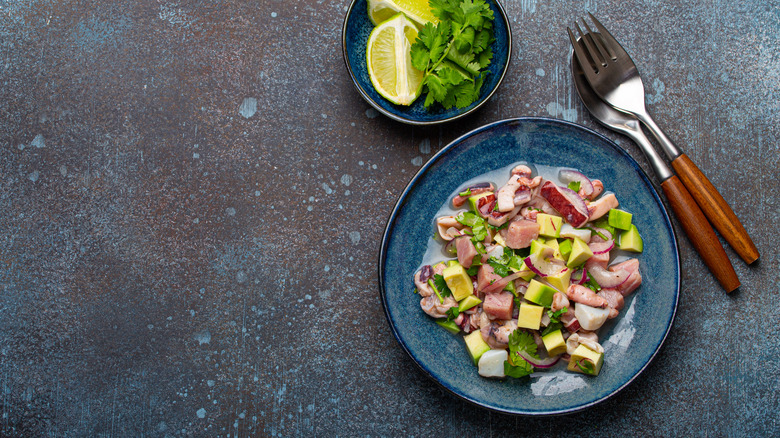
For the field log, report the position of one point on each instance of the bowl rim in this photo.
(407, 120)
(384, 242)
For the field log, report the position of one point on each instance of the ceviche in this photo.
(532, 270)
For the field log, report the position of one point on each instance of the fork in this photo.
(614, 77)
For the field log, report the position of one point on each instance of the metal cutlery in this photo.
(613, 76)
(686, 210)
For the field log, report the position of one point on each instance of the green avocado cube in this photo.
(549, 225)
(553, 243)
(554, 343)
(530, 316)
(560, 281)
(580, 252)
(564, 247)
(539, 245)
(586, 361)
(468, 302)
(540, 293)
(458, 281)
(620, 219)
(450, 326)
(474, 200)
(475, 345)
(631, 240)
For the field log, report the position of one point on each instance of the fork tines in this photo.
(591, 50)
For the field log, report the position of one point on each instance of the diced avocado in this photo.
(539, 245)
(549, 225)
(564, 246)
(554, 343)
(586, 361)
(540, 293)
(476, 345)
(510, 286)
(473, 201)
(530, 316)
(553, 243)
(580, 252)
(452, 263)
(619, 219)
(561, 280)
(499, 240)
(631, 240)
(468, 302)
(458, 281)
(450, 326)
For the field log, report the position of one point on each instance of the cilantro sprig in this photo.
(516, 366)
(455, 53)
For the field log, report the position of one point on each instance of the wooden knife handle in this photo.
(715, 208)
(700, 233)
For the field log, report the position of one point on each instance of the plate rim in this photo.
(407, 120)
(424, 168)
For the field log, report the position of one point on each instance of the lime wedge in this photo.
(417, 10)
(388, 55)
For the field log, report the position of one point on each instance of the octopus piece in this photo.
(588, 339)
(436, 308)
(448, 227)
(521, 170)
(581, 294)
(475, 189)
(496, 333)
(598, 188)
(497, 218)
(506, 194)
(421, 281)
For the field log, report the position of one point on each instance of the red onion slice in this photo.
(547, 362)
(500, 284)
(570, 175)
(544, 266)
(580, 276)
(602, 247)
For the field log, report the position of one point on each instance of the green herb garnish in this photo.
(574, 185)
(455, 53)
(516, 366)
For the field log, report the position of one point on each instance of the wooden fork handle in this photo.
(700, 233)
(715, 208)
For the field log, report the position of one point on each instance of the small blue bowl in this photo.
(358, 27)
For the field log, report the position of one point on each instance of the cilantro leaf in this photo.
(453, 313)
(463, 37)
(516, 366)
(441, 285)
(574, 185)
(498, 268)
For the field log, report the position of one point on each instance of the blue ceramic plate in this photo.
(630, 341)
(357, 28)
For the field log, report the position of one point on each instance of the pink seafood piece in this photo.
(559, 301)
(458, 201)
(466, 251)
(600, 207)
(506, 194)
(581, 294)
(633, 281)
(485, 277)
(614, 299)
(499, 304)
(520, 232)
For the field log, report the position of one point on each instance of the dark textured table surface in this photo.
(192, 196)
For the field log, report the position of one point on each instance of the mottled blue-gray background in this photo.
(192, 195)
